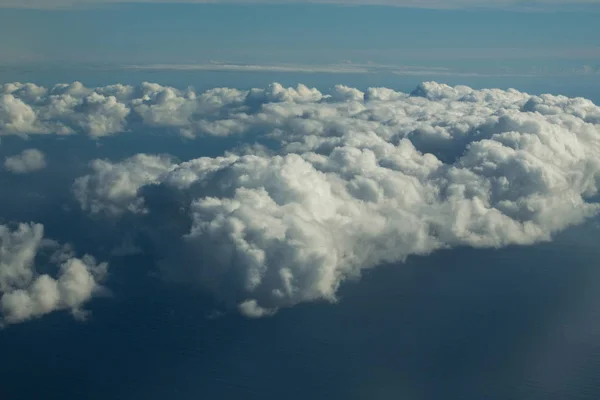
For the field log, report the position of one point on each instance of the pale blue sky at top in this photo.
(549, 37)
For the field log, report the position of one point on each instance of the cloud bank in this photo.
(28, 160)
(344, 68)
(67, 282)
(216, 66)
(28, 109)
(349, 180)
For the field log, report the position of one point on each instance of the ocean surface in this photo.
(517, 323)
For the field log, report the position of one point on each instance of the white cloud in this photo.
(113, 188)
(28, 160)
(27, 109)
(436, 4)
(344, 68)
(63, 109)
(355, 180)
(27, 293)
(327, 69)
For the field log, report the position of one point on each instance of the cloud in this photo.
(113, 188)
(350, 180)
(65, 109)
(27, 293)
(28, 160)
(435, 4)
(214, 66)
(27, 109)
(587, 70)
(344, 68)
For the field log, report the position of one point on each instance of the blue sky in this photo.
(471, 39)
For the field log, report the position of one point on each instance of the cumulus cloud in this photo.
(28, 160)
(26, 292)
(27, 109)
(352, 180)
(64, 109)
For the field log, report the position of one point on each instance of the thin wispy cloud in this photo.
(346, 68)
(328, 69)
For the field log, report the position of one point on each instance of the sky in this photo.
(451, 4)
(470, 39)
(351, 200)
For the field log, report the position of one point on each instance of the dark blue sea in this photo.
(517, 323)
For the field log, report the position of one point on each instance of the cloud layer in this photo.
(67, 282)
(350, 180)
(344, 68)
(27, 109)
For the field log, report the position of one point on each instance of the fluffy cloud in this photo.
(351, 180)
(27, 293)
(64, 109)
(27, 109)
(28, 160)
